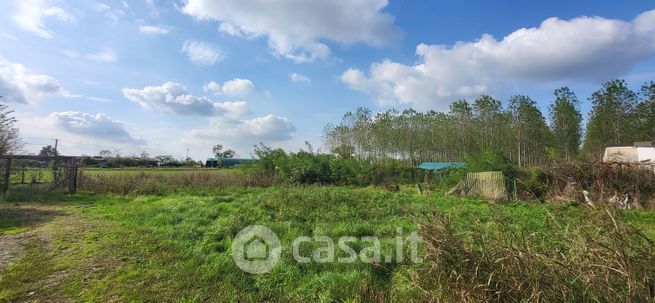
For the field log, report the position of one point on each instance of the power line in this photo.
(41, 139)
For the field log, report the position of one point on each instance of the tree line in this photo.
(520, 131)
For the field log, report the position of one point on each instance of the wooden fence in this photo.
(488, 185)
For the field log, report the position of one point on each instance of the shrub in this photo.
(308, 167)
(604, 182)
(489, 161)
(598, 260)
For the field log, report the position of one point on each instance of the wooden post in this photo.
(5, 184)
(72, 176)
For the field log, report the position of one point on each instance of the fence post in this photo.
(5, 184)
(72, 176)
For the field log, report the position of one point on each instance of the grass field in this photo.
(177, 246)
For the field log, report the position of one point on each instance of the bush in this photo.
(308, 167)
(604, 181)
(599, 259)
(489, 161)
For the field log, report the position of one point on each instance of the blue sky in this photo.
(163, 76)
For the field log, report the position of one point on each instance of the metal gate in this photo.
(38, 173)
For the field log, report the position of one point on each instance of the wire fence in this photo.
(37, 174)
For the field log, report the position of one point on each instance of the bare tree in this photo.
(222, 155)
(10, 141)
(105, 153)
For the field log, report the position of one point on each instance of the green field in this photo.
(177, 246)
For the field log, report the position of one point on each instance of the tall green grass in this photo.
(177, 247)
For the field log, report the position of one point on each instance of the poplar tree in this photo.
(645, 113)
(610, 120)
(565, 123)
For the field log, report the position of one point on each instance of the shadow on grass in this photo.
(17, 218)
(35, 194)
(25, 207)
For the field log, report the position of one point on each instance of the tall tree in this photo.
(645, 113)
(565, 122)
(10, 141)
(221, 154)
(48, 151)
(488, 123)
(105, 153)
(531, 134)
(610, 120)
(462, 114)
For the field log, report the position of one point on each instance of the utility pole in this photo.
(56, 141)
(187, 154)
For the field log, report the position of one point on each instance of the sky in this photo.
(172, 77)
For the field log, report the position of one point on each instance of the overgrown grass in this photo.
(166, 181)
(177, 247)
(595, 258)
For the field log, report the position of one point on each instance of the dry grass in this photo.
(598, 259)
(606, 183)
(150, 182)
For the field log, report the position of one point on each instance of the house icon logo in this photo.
(256, 249)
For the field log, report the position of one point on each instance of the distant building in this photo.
(227, 162)
(640, 152)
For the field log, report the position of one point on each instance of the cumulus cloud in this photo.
(583, 49)
(202, 53)
(105, 55)
(174, 98)
(299, 78)
(233, 88)
(267, 128)
(237, 87)
(212, 87)
(17, 84)
(154, 30)
(30, 15)
(98, 126)
(295, 29)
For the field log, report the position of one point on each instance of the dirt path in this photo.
(22, 222)
(11, 248)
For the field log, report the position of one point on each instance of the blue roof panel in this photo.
(440, 165)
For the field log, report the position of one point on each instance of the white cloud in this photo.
(233, 88)
(105, 55)
(152, 7)
(154, 30)
(174, 98)
(299, 78)
(212, 87)
(232, 30)
(73, 54)
(98, 99)
(98, 126)
(583, 49)
(30, 15)
(202, 53)
(19, 85)
(237, 87)
(295, 29)
(112, 13)
(267, 128)
(8, 36)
